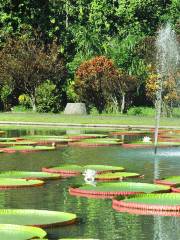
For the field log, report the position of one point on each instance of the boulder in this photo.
(75, 108)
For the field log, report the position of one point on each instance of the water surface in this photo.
(97, 219)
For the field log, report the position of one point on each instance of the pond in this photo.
(97, 219)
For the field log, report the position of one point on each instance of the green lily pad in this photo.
(87, 135)
(77, 169)
(7, 183)
(31, 217)
(29, 175)
(163, 202)
(45, 136)
(104, 168)
(102, 141)
(115, 176)
(11, 143)
(170, 181)
(31, 148)
(117, 188)
(71, 169)
(5, 139)
(50, 139)
(16, 232)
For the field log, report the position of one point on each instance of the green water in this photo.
(97, 219)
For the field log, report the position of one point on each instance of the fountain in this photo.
(167, 58)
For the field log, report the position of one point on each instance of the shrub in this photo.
(143, 111)
(46, 99)
(94, 81)
(24, 100)
(27, 63)
(6, 92)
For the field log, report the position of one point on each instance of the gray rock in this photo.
(75, 108)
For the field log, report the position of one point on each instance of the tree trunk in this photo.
(33, 103)
(123, 103)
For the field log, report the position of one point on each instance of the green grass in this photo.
(87, 119)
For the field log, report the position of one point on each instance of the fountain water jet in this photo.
(167, 58)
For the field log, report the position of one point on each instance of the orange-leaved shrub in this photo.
(94, 81)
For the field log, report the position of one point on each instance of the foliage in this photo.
(20, 108)
(46, 98)
(27, 64)
(121, 30)
(141, 111)
(170, 94)
(24, 100)
(6, 92)
(92, 81)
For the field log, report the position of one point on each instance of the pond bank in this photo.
(81, 125)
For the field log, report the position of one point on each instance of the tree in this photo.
(170, 94)
(26, 64)
(91, 81)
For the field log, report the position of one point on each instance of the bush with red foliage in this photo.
(94, 81)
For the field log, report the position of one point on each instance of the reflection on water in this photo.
(97, 219)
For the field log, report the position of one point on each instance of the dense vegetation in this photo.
(97, 51)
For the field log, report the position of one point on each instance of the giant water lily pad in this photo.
(170, 181)
(73, 169)
(8, 183)
(31, 148)
(31, 217)
(98, 142)
(65, 169)
(49, 139)
(116, 188)
(6, 139)
(104, 168)
(129, 133)
(151, 144)
(176, 189)
(16, 232)
(86, 136)
(160, 202)
(17, 143)
(29, 175)
(115, 176)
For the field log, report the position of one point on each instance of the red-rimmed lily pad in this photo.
(109, 190)
(29, 175)
(11, 183)
(159, 202)
(115, 176)
(8, 139)
(138, 211)
(43, 139)
(86, 136)
(97, 142)
(28, 148)
(73, 169)
(18, 143)
(17, 232)
(176, 189)
(130, 133)
(32, 217)
(170, 181)
(141, 144)
(104, 168)
(65, 169)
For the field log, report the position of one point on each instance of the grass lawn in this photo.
(86, 119)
